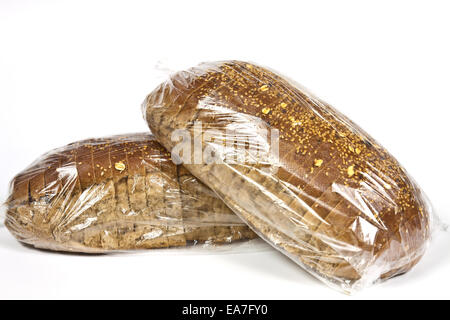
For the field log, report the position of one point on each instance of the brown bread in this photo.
(336, 202)
(116, 193)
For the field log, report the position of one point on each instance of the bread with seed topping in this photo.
(116, 193)
(334, 201)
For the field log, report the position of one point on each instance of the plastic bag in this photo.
(116, 193)
(302, 175)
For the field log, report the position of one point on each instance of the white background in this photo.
(72, 70)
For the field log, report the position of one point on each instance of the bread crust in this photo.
(339, 204)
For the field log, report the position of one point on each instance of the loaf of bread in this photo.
(116, 193)
(319, 189)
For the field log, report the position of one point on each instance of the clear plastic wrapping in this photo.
(302, 175)
(116, 193)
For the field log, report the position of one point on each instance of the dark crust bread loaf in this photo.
(335, 201)
(116, 193)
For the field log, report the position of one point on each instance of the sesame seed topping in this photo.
(120, 166)
(351, 171)
(318, 162)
